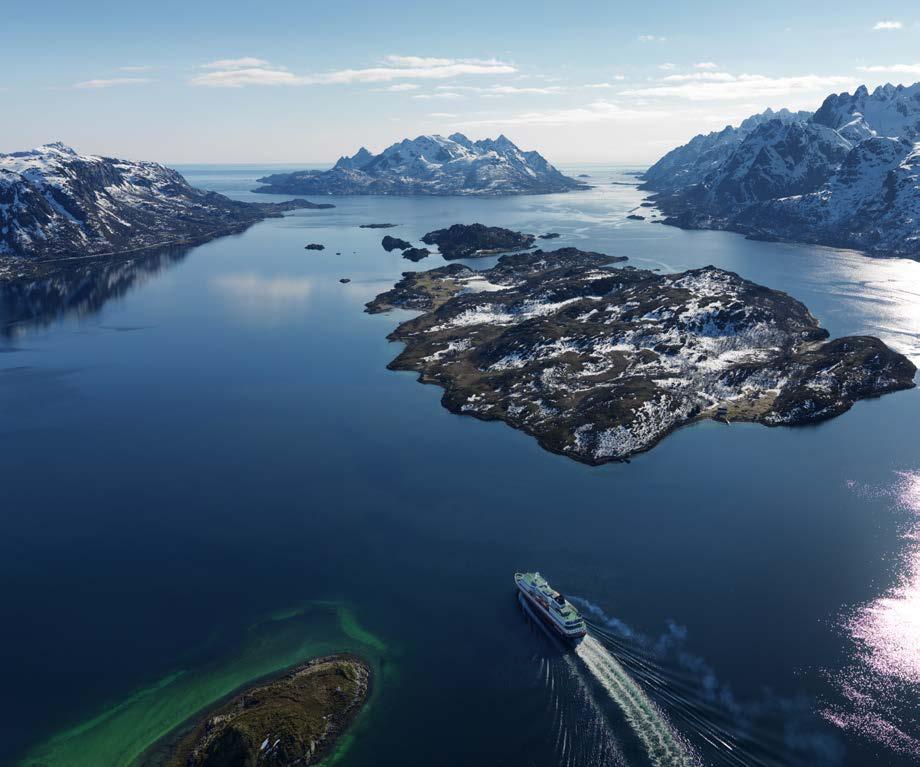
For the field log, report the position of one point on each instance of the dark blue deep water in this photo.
(194, 441)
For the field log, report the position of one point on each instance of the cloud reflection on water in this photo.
(266, 299)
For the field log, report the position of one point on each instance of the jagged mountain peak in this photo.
(432, 164)
(847, 176)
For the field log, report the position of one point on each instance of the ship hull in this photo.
(539, 612)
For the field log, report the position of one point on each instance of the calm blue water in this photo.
(192, 441)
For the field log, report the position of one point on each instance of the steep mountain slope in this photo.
(847, 176)
(690, 163)
(56, 203)
(431, 165)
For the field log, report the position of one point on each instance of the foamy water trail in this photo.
(663, 745)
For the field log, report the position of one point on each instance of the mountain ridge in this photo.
(56, 203)
(431, 165)
(847, 175)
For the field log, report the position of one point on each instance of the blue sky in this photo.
(309, 81)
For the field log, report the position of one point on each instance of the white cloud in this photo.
(893, 69)
(651, 39)
(503, 90)
(112, 82)
(246, 62)
(235, 73)
(141, 68)
(706, 65)
(442, 115)
(595, 112)
(237, 78)
(887, 25)
(441, 95)
(414, 68)
(667, 66)
(722, 86)
(711, 76)
(597, 85)
(399, 87)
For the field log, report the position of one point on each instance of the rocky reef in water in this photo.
(291, 720)
(601, 363)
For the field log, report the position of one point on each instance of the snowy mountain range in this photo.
(847, 175)
(55, 203)
(432, 165)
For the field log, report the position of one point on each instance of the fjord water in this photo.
(208, 473)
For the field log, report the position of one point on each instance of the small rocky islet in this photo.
(477, 240)
(394, 243)
(600, 363)
(294, 719)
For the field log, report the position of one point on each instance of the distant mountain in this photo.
(431, 165)
(846, 176)
(56, 203)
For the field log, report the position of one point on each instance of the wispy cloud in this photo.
(888, 25)
(240, 77)
(112, 82)
(722, 86)
(442, 115)
(246, 62)
(415, 68)
(236, 73)
(893, 69)
(667, 66)
(651, 39)
(440, 95)
(504, 90)
(706, 65)
(595, 112)
(398, 88)
(136, 68)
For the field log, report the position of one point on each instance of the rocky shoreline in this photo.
(601, 363)
(294, 718)
(58, 206)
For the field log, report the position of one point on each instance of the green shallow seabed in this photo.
(120, 735)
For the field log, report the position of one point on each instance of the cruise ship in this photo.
(547, 604)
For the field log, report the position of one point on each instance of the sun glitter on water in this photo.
(887, 634)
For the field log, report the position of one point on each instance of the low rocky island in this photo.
(376, 226)
(394, 243)
(294, 719)
(475, 240)
(601, 363)
(416, 254)
(57, 204)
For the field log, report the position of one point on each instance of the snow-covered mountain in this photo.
(847, 176)
(431, 165)
(692, 162)
(56, 203)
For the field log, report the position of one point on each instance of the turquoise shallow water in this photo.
(194, 441)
